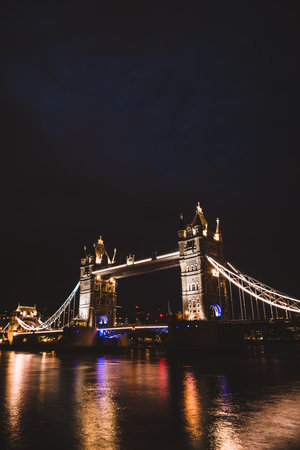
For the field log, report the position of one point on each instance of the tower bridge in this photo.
(200, 287)
(211, 288)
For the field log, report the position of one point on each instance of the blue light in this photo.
(217, 310)
(102, 320)
(188, 326)
(77, 331)
(176, 326)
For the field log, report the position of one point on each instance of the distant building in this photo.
(140, 315)
(121, 316)
(28, 314)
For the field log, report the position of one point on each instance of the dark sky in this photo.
(114, 121)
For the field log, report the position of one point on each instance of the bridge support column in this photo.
(204, 294)
(86, 287)
(98, 294)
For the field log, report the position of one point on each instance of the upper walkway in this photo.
(141, 266)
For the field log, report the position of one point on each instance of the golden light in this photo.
(215, 273)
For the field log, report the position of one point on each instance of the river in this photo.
(145, 400)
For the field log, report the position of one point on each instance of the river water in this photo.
(146, 400)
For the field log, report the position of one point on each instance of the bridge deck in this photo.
(139, 267)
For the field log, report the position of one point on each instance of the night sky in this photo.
(114, 121)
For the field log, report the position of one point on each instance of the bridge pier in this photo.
(205, 335)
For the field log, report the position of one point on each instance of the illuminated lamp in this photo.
(215, 273)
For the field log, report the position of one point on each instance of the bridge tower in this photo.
(97, 302)
(204, 295)
(86, 286)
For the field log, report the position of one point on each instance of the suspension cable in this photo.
(240, 280)
(262, 286)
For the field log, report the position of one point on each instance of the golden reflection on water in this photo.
(222, 431)
(16, 380)
(191, 408)
(113, 397)
(96, 407)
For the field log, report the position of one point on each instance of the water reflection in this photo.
(273, 425)
(192, 410)
(267, 421)
(96, 406)
(146, 401)
(17, 378)
(222, 428)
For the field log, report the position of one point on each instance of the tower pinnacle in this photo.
(217, 235)
(199, 219)
(101, 253)
(199, 210)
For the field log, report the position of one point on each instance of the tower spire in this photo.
(114, 256)
(200, 220)
(199, 210)
(217, 235)
(101, 253)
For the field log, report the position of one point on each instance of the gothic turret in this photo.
(199, 222)
(101, 253)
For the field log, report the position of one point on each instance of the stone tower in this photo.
(204, 294)
(86, 286)
(97, 302)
